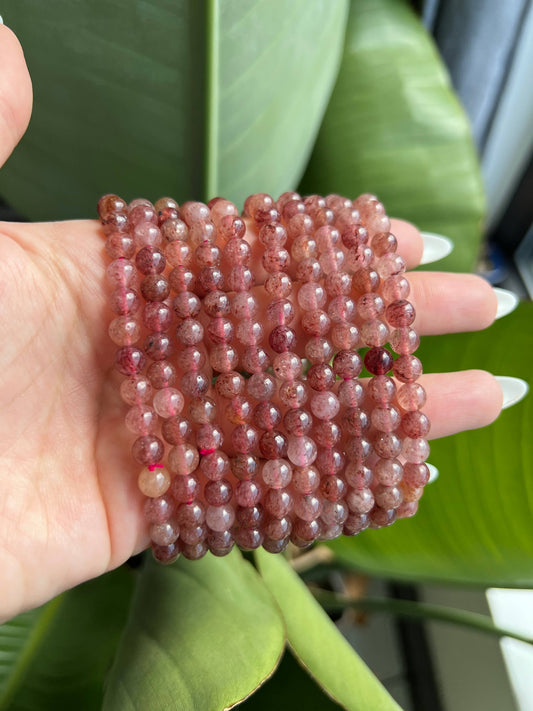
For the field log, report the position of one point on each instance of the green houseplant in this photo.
(198, 99)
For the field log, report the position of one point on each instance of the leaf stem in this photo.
(418, 610)
(211, 99)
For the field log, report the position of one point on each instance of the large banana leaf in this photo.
(474, 524)
(202, 635)
(394, 127)
(55, 658)
(184, 97)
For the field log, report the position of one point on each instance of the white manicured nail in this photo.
(1, 20)
(433, 472)
(507, 301)
(435, 247)
(514, 389)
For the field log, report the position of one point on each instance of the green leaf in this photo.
(395, 128)
(202, 635)
(56, 657)
(290, 687)
(318, 644)
(475, 524)
(185, 98)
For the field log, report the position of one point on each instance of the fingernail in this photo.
(433, 472)
(1, 20)
(514, 389)
(507, 301)
(435, 247)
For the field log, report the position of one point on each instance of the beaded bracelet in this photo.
(253, 426)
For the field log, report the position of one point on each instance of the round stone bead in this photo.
(194, 551)
(387, 444)
(124, 330)
(240, 278)
(163, 534)
(266, 415)
(220, 543)
(190, 358)
(218, 493)
(382, 243)
(355, 523)
(150, 260)
(318, 350)
(411, 493)
(278, 285)
(248, 538)
(378, 361)
(359, 257)
(261, 386)
(324, 405)
(358, 448)
(216, 303)
(230, 227)
(374, 333)
(248, 493)
(179, 255)
(350, 393)
(315, 322)
(121, 273)
(365, 280)
(330, 461)
(250, 333)
(185, 489)
(411, 396)
(305, 480)
(157, 316)
(287, 366)
(388, 472)
(415, 475)
(249, 516)
(404, 340)
(278, 502)
(190, 515)
(390, 265)
(347, 364)
(407, 368)
(183, 459)
(114, 222)
(186, 305)
(194, 211)
(173, 229)
(154, 287)
(338, 284)
(334, 512)
(327, 433)
(207, 255)
(293, 393)
(237, 251)
(255, 202)
(341, 309)
(158, 346)
(370, 306)
(379, 518)
(244, 305)
(277, 528)
(215, 466)
(166, 554)
(124, 301)
(276, 473)
(229, 385)
(395, 288)
(360, 500)
(355, 421)
(303, 247)
(239, 410)
(136, 390)
(407, 509)
(297, 421)
(141, 419)
(176, 430)
(320, 377)
(209, 437)
(244, 438)
(222, 208)
(400, 313)
(220, 518)
(110, 203)
(154, 481)
(158, 509)
(415, 450)
(381, 389)
(304, 531)
(272, 235)
(332, 488)
(415, 424)
(385, 418)
(301, 451)
(210, 279)
(282, 339)
(148, 450)
(194, 384)
(162, 374)
(354, 234)
(224, 358)
(120, 244)
(307, 506)
(202, 410)
(311, 296)
(299, 224)
(220, 330)
(140, 212)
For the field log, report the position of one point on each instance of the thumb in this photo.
(15, 93)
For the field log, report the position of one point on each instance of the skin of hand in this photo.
(70, 508)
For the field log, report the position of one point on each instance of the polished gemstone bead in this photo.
(411, 493)
(185, 489)
(250, 333)
(307, 506)
(240, 278)
(301, 451)
(294, 207)
(257, 201)
(350, 393)
(114, 222)
(360, 500)
(224, 358)
(261, 386)
(297, 421)
(353, 235)
(276, 473)
(278, 285)
(266, 215)
(287, 366)
(387, 444)
(194, 384)
(334, 512)
(358, 475)
(320, 377)
(277, 528)
(182, 279)
(280, 312)
(345, 336)
(299, 224)
(141, 213)
(154, 287)
(305, 480)
(121, 273)
(174, 229)
(303, 247)
(266, 415)
(275, 259)
(237, 251)
(220, 330)
(220, 543)
(385, 418)
(166, 554)
(383, 242)
(150, 260)
(407, 509)
(162, 374)
(230, 227)
(278, 502)
(248, 493)
(124, 330)
(400, 313)
(411, 396)
(380, 518)
(381, 389)
(318, 350)
(211, 279)
(286, 197)
(254, 359)
(327, 434)
(154, 481)
(407, 368)
(347, 364)
(390, 265)
(324, 405)
(230, 384)
(315, 322)
(158, 346)
(190, 514)
(282, 339)
(358, 448)
(207, 255)
(365, 280)
(163, 534)
(120, 245)
(190, 332)
(110, 203)
(332, 488)
(136, 389)
(244, 305)
(404, 340)
(147, 234)
(190, 358)
(355, 421)
(239, 410)
(220, 518)
(250, 516)
(248, 538)
(194, 551)
(124, 301)
(293, 393)
(223, 208)
(395, 288)
(217, 493)
(415, 475)
(158, 509)
(244, 438)
(330, 461)
(378, 361)
(415, 424)
(370, 306)
(355, 523)
(194, 212)
(129, 360)
(157, 316)
(374, 333)
(309, 270)
(186, 304)
(415, 449)
(141, 419)
(388, 472)
(214, 466)
(208, 438)
(183, 459)
(178, 255)
(306, 531)
(176, 430)
(202, 410)
(359, 257)
(331, 261)
(338, 284)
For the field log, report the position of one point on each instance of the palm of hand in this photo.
(65, 494)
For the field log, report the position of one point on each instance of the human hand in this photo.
(70, 508)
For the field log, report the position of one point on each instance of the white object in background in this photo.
(514, 609)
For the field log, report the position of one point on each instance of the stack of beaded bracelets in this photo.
(272, 435)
